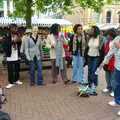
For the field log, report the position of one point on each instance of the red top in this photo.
(112, 60)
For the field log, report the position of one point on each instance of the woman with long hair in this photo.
(94, 46)
(77, 47)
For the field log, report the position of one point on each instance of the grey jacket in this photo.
(32, 49)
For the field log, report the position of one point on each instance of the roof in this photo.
(35, 21)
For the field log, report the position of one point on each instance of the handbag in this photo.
(27, 62)
(105, 67)
(24, 59)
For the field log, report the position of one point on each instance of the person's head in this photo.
(111, 34)
(94, 31)
(28, 31)
(35, 30)
(77, 28)
(118, 30)
(13, 28)
(55, 29)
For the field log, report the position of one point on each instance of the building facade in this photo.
(110, 14)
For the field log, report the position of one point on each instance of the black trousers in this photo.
(13, 71)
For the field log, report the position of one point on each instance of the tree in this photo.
(26, 8)
(97, 5)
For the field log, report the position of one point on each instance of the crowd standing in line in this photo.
(89, 48)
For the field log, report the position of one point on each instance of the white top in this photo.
(51, 43)
(93, 47)
(14, 55)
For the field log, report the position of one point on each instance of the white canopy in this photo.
(107, 26)
(35, 21)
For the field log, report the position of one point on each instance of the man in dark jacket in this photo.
(12, 51)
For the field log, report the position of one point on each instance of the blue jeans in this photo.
(33, 65)
(78, 71)
(109, 76)
(117, 86)
(92, 67)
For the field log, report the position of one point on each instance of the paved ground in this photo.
(56, 102)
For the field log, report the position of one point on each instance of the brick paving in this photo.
(56, 102)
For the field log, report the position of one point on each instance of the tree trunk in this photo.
(28, 13)
(8, 7)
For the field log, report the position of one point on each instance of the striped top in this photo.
(114, 51)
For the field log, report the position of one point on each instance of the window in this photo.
(108, 17)
(1, 13)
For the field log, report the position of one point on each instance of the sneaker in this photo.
(18, 82)
(41, 84)
(113, 103)
(105, 90)
(112, 94)
(9, 86)
(118, 113)
(66, 82)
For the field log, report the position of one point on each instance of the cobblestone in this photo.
(56, 102)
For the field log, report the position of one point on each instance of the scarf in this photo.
(59, 48)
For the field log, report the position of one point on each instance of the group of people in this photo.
(31, 47)
(92, 48)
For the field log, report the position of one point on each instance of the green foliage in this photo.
(26, 8)
(39, 5)
(97, 5)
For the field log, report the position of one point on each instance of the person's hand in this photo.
(101, 66)
(117, 45)
(52, 46)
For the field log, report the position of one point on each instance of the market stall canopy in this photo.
(38, 22)
(107, 26)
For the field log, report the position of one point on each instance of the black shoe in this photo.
(66, 82)
(43, 84)
(73, 82)
(32, 84)
(54, 82)
(84, 95)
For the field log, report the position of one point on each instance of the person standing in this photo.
(109, 68)
(27, 34)
(32, 51)
(94, 46)
(12, 51)
(77, 47)
(55, 42)
(115, 50)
